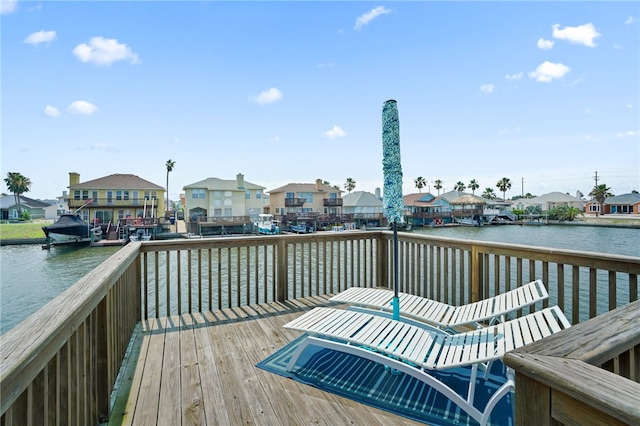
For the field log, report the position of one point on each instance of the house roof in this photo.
(305, 187)
(417, 199)
(631, 198)
(361, 199)
(8, 201)
(116, 181)
(556, 197)
(222, 185)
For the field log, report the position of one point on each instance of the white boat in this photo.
(267, 225)
(69, 228)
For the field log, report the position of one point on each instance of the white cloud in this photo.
(548, 71)
(8, 6)
(268, 96)
(631, 20)
(628, 134)
(50, 111)
(82, 108)
(41, 36)
(487, 88)
(335, 132)
(516, 76)
(583, 34)
(370, 16)
(545, 44)
(104, 51)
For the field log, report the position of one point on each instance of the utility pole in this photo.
(596, 179)
(522, 185)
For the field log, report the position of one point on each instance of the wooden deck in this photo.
(200, 370)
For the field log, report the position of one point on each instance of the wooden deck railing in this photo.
(59, 366)
(586, 374)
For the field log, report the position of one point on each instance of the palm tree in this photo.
(473, 185)
(504, 185)
(459, 187)
(437, 184)
(489, 193)
(350, 185)
(600, 193)
(170, 164)
(420, 183)
(18, 185)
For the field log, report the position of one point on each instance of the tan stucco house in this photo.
(224, 198)
(300, 198)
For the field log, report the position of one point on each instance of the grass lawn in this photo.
(17, 231)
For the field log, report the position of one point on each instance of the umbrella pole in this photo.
(396, 300)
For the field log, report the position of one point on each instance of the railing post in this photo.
(382, 265)
(282, 275)
(102, 359)
(476, 274)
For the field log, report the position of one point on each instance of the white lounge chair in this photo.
(414, 350)
(442, 315)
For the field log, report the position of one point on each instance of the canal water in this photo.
(30, 276)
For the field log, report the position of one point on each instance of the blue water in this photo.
(31, 276)
(623, 241)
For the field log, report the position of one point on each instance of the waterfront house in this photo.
(550, 201)
(113, 198)
(424, 209)
(623, 204)
(37, 209)
(222, 206)
(366, 208)
(213, 197)
(305, 199)
(427, 209)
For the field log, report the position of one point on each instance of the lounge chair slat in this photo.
(443, 315)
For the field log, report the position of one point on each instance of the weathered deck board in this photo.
(200, 370)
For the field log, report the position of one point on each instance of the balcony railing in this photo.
(294, 202)
(332, 202)
(113, 201)
(61, 363)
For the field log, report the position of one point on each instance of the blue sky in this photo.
(545, 93)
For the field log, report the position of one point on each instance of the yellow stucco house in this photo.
(115, 197)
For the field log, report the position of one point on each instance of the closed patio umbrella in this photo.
(392, 172)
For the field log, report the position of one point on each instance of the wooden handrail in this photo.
(566, 371)
(89, 326)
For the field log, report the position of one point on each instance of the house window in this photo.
(258, 194)
(85, 195)
(247, 194)
(109, 197)
(94, 197)
(594, 208)
(154, 195)
(308, 196)
(119, 195)
(217, 212)
(333, 196)
(76, 195)
(104, 216)
(136, 195)
(290, 195)
(217, 194)
(126, 195)
(228, 212)
(197, 194)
